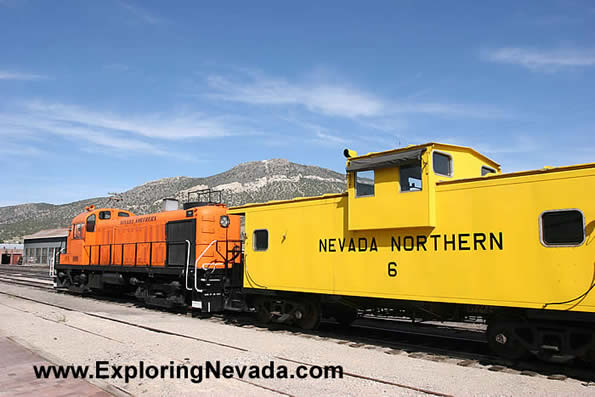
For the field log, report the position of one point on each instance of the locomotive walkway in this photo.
(83, 330)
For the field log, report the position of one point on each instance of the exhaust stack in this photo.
(170, 204)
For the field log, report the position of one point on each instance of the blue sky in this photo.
(102, 96)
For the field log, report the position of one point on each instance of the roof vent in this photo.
(170, 204)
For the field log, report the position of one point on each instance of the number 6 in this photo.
(392, 269)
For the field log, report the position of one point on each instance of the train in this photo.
(429, 232)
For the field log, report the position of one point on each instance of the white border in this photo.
(452, 163)
(560, 245)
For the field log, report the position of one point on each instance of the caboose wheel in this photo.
(345, 315)
(503, 341)
(308, 317)
(263, 311)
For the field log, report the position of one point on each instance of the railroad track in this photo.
(459, 345)
(224, 345)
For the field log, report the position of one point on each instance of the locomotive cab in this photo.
(397, 188)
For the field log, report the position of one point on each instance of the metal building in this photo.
(43, 247)
(10, 254)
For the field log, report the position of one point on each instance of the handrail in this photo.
(89, 248)
(53, 265)
(187, 264)
(196, 263)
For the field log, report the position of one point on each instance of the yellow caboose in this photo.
(435, 231)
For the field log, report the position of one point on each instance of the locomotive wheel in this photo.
(309, 317)
(503, 341)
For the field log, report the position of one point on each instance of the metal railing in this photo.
(225, 259)
(150, 245)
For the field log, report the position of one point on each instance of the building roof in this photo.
(7, 246)
(49, 233)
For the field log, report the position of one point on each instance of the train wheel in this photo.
(503, 340)
(345, 316)
(308, 317)
(263, 311)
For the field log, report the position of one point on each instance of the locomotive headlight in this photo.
(224, 221)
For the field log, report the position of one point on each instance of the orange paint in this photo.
(128, 240)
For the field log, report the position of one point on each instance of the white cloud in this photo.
(178, 126)
(334, 139)
(8, 75)
(18, 150)
(327, 99)
(334, 99)
(547, 60)
(142, 14)
(141, 133)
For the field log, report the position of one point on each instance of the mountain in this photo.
(252, 182)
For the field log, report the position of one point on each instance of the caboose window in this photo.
(442, 163)
(487, 170)
(364, 183)
(261, 240)
(562, 228)
(410, 178)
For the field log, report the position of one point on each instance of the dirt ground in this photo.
(122, 334)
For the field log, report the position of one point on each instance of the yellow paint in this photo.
(523, 273)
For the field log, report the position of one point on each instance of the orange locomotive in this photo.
(171, 258)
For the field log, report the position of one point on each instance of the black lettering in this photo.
(331, 245)
(322, 245)
(241, 370)
(130, 373)
(116, 372)
(351, 245)
(405, 240)
(479, 238)
(395, 244)
(102, 367)
(215, 370)
(435, 237)
(359, 244)
(341, 243)
(228, 372)
(254, 373)
(152, 372)
(268, 371)
(452, 242)
(373, 246)
(196, 372)
(282, 372)
(493, 240)
(421, 242)
(463, 242)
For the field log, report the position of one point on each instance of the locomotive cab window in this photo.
(442, 163)
(260, 240)
(91, 223)
(364, 183)
(77, 231)
(123, 214)
(562, 228)
(410, 178)
(105, 215)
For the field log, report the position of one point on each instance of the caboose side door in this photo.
(177, 233)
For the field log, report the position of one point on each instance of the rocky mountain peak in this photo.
(250, 182)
